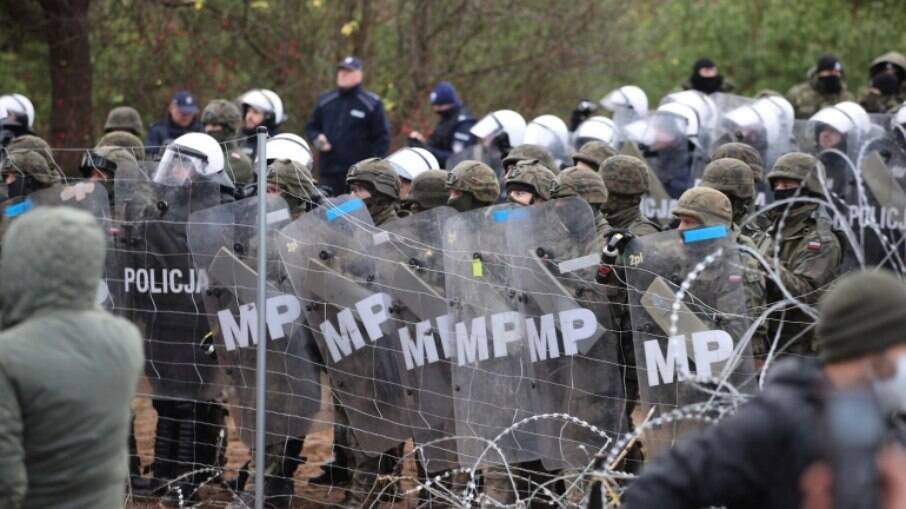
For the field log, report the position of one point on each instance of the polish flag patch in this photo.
(813, 246)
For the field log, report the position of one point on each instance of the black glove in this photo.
(414, 143)
(583, 110)
(617, 240)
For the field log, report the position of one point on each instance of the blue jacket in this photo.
(451, 134)
(355, 125)
(163, 132)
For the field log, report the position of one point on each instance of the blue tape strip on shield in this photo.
(18, 209)
(705, 233)
(344, 209)
(502, 216)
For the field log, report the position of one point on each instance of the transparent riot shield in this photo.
(408, 254)
(765, 124)
(726, 103)
(656, 204)
(690, 345)
(662, 139)
(568, 331)
(493, 379)
(224, 242)
(162, 287)
(329, 258)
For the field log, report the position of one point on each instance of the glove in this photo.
(617, 241)
(583, 110)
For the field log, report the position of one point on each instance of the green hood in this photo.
(52, 260)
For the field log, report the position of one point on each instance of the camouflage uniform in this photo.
(807, 99)
(476, 181)
(428, 190)
(875, 103)
(592, 154)
(297, 186)
(384, 184)
(125, 118)
(226, 114)
(124, 160)
(588, 185)
(810, 252)
(733, 178)
(530, 175)
(711, 205)
(124, 140)
(526, 152)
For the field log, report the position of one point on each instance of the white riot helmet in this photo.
(595, 128)
(18, 108)
(629, 97)
(191, 157)
(550, 133)
(289, 146)
(703, 105)
(767, 122)
(851, 123)
(411, 162)
(495, 125)
(265, 101)
(845, 117)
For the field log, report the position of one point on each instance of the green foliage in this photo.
(535, 56)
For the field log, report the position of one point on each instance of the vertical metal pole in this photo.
(261, 307)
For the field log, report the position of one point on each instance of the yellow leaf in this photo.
(349, 28)
(199, 5)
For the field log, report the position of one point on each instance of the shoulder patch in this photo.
(814, 245)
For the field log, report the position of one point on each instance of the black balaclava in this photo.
(702, 84)
(829, 84)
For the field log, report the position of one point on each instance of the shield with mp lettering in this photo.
(224, 242)
(690, 328)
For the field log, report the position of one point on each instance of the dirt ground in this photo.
(318, 448)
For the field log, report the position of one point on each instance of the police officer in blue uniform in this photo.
(182, 118)
(347, 126)
(452, 132)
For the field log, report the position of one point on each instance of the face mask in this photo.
(829, 84)
(784, 194)
(463, 203)
(886, 83)
(221, 135)
(891, 391)
(20, 187)
(707, 85)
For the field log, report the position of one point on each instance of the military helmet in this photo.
(293, 179)
(729, 176)
(583, 182)
(526, 152)
(805, 168)
(624, 174)
(709, 206)
(429, 189)
(476, 178)
(745, 153)
(30, 163)
(125, 118)
(224, 113)
(377, 172)
(594, 153)
(32, 142)
(893, 59)
(532, 174)
(124, 140)
(122, 159)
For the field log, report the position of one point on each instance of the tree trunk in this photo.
(67, 31)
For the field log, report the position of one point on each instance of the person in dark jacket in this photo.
(347, 126)
(756, 457)
(452, 132)
(182, 118)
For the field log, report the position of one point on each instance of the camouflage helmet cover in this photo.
(224, 113)
(582, 182)
(125, 118)
(805, 168)
(429, 189)
(535, 175)
(745, 153)
(526, 152)
(292, 178)
(476, 178)
(32, 142)
(31, 163)
(624, 174)
(594, 153)
(708, 206)
(124, 140)
(377, 172)
(729, 176)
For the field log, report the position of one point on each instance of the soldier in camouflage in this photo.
(626, 178)
(428, 190)
(125, 118)
(592, 154)
(295, 184)
(472, 185)
(529, 182)
(124, 140)
(26, 171)
(31, 142)
(825, 87)
(808, 251)
(712, 204)
(376, 183)
(734, 178)
(745, 153)
(526, 152)
(222, 121)
(886, 90)
(101, 164)
(588, 185)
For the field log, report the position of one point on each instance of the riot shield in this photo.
(692, 348)
(493, 373)
(328, 255)
(162, 287)
(223, 241)
(656, 204)
(409, 267)
(568, 331)
(726, 102)
(662, 139)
